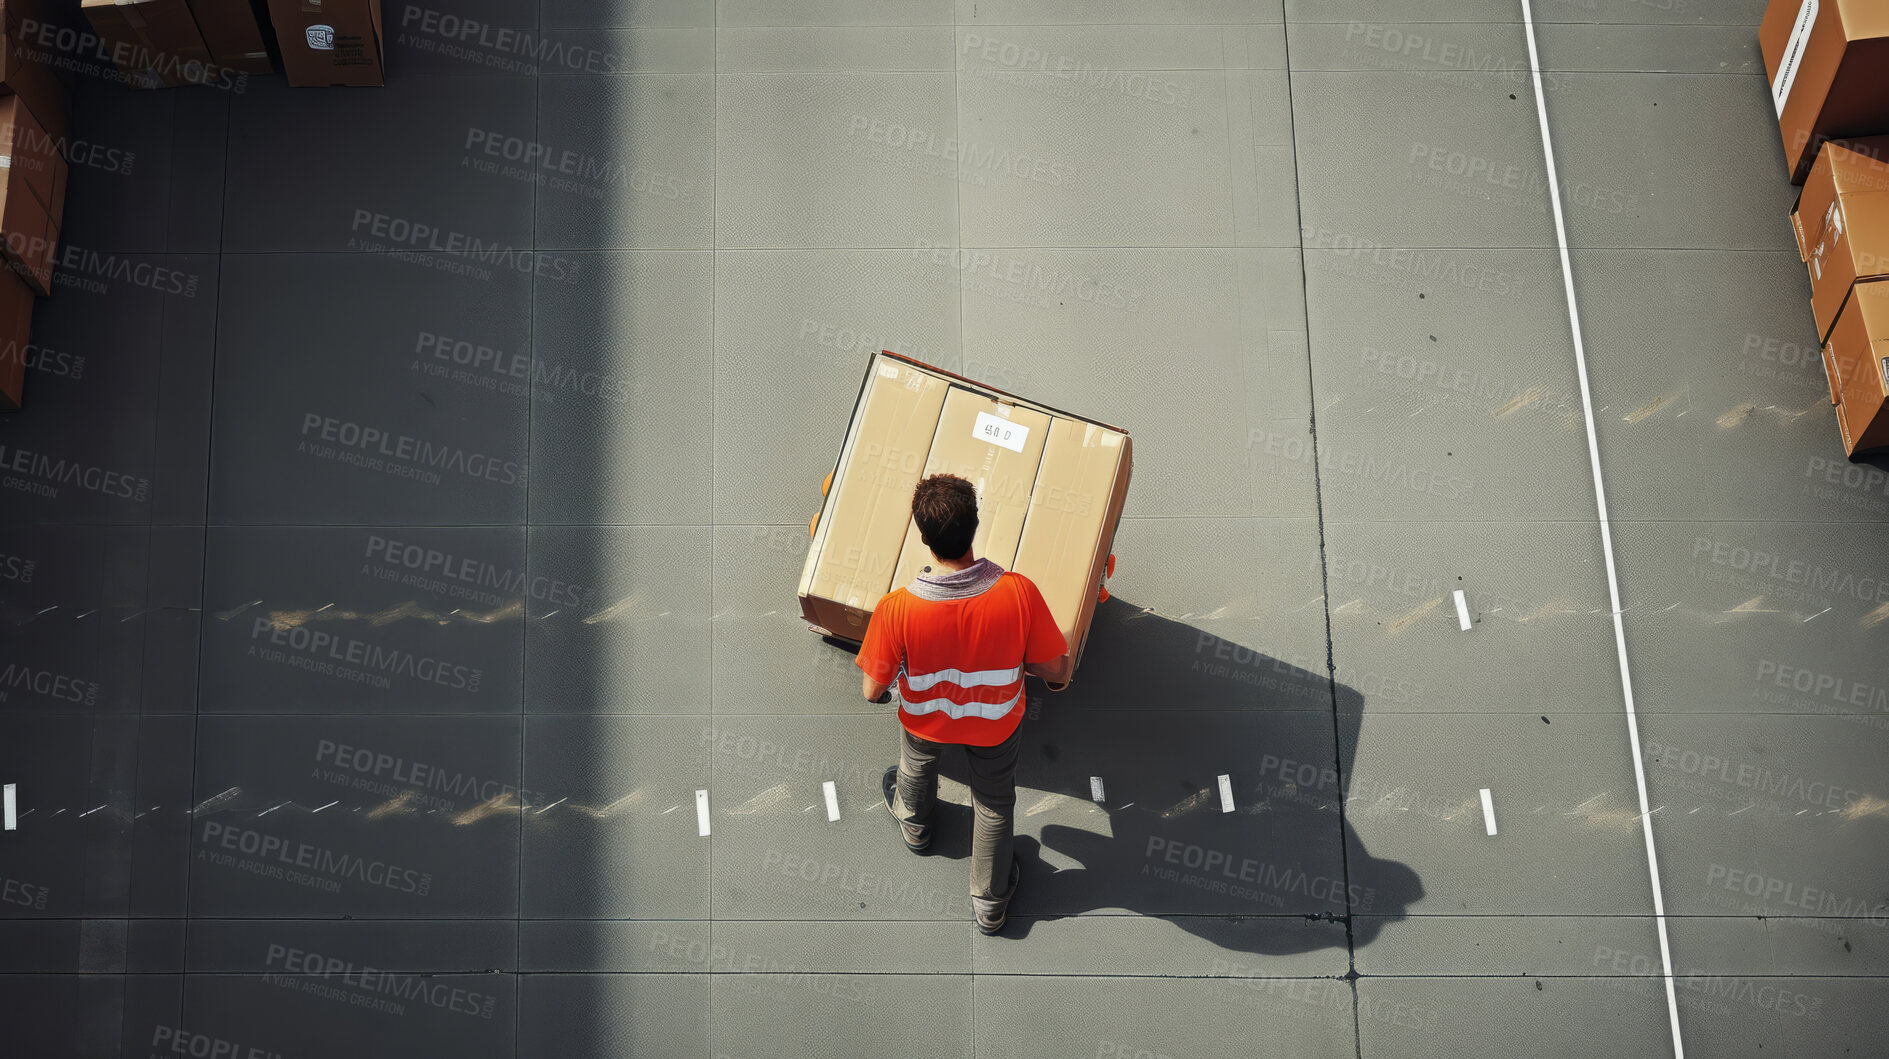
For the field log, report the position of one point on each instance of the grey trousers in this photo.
(993, 804)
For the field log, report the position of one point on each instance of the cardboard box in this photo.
(1843, 215)
(1050, 491)
(855, 550)
(25, 73)
(154, 43)
(16, 333)
(233, 35)
(1856, 359)
(1003, 473)
(1826, 60)
(32, 191)
(329, 42)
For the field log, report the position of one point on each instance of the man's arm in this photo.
(875, 691)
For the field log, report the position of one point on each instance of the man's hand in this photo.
(1046, 672)
(875, 692)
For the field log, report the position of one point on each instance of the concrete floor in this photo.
(437, 462)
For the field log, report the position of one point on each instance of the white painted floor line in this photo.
(10, 807)
(1462, 610)
(1095, 789)
(1606, 530)
(832, 800)
(701, 812)
(1488, 812)
(1226, 793)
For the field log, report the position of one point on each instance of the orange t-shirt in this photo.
(963, 659)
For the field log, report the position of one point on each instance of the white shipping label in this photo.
(11, 808)
(1000, 431)
(1793, 55)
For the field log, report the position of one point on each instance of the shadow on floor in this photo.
(1159, 710)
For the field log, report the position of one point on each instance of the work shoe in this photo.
(992, 912)
(917, 837)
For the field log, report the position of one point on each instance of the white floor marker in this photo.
(1226, 793)
(1095, 788)
(1606, 527)
(832, 800)
(701, 812)
(1462, 610)
(1488, 812)
(11, 807)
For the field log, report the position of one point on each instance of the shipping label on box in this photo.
(330, 42)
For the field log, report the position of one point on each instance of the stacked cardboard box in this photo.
(33, 132)
(1050, 489)
(1841, 221)
(162, 43)
(1827, 60)
(154, 43)
(1856, 360)
(330, 42)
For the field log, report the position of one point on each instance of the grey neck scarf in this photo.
(956, 584)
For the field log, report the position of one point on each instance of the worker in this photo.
(959, 640)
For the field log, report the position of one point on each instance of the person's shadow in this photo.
(1157, 713)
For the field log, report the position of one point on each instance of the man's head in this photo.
(945, 508)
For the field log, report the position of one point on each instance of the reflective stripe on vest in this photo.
(976, 678)
(990, 711)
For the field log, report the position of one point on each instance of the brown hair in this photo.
(945, 508)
